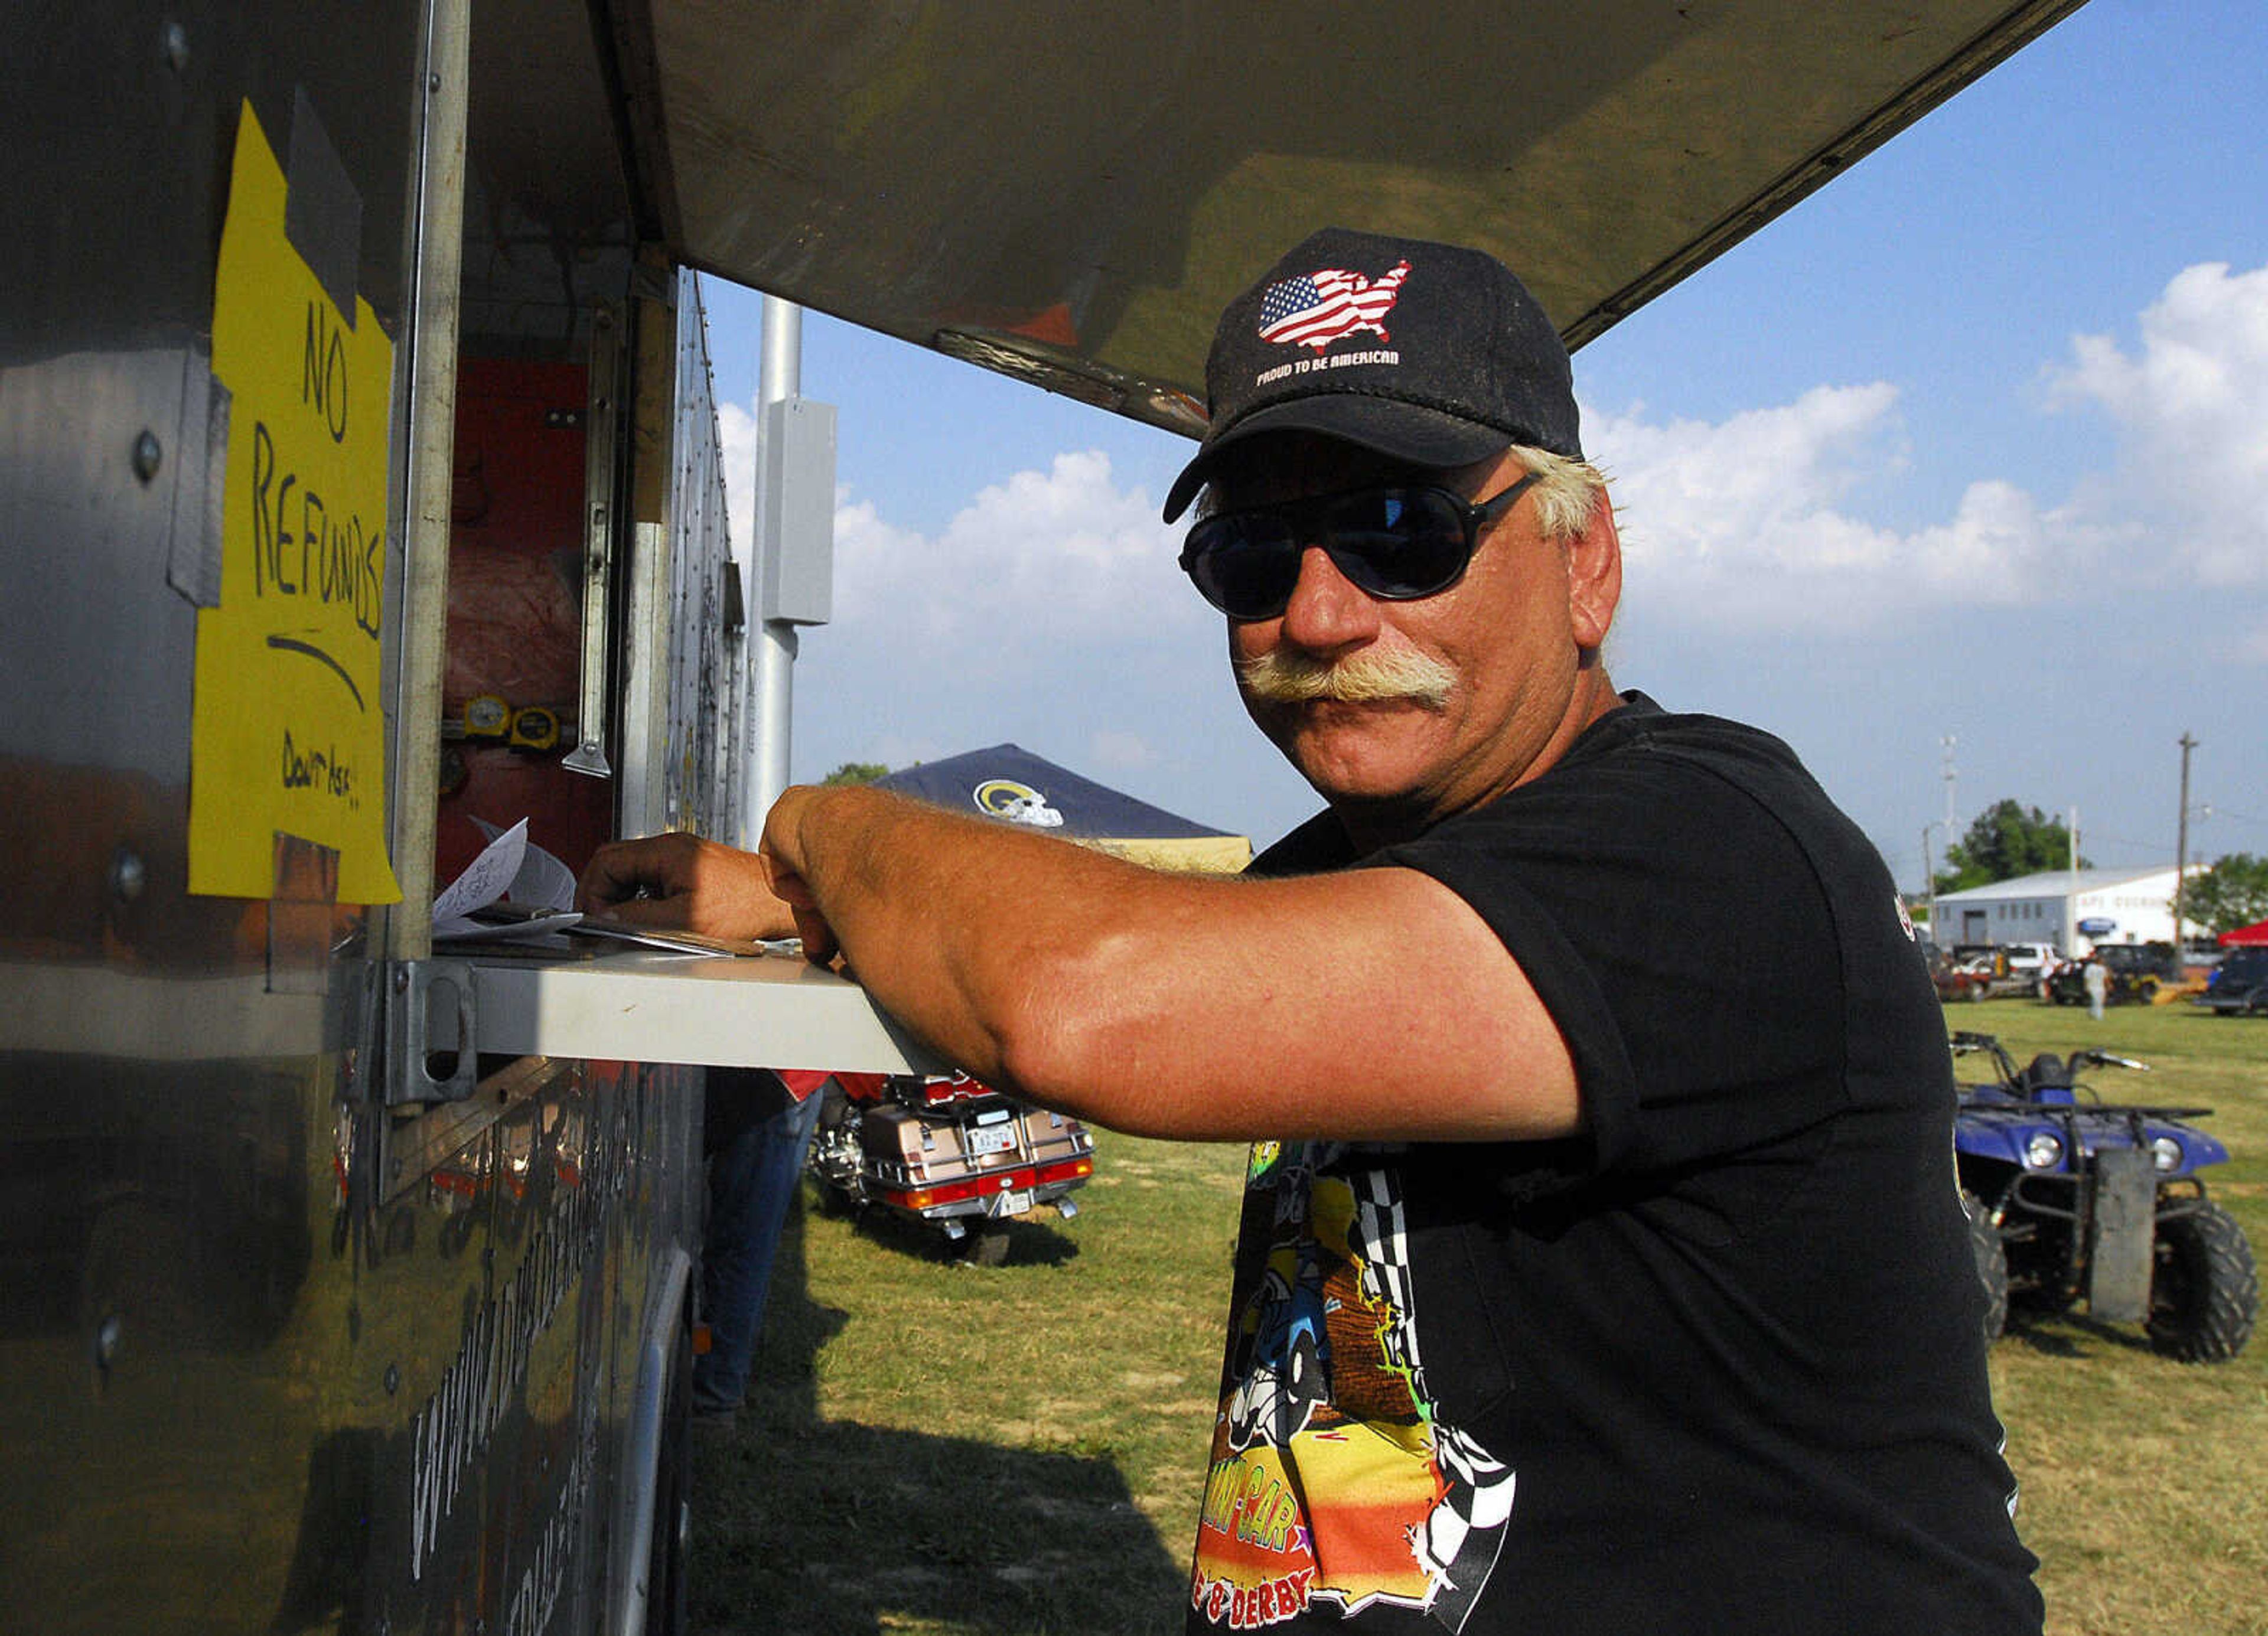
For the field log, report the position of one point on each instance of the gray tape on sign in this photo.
(322, 211)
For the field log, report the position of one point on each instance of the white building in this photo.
(2073, 908)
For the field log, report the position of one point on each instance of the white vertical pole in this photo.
(413, 793)
(1951, 775)
(2182, 850)
(1929, 887)
(772, 642)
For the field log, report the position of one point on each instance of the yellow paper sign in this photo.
(289, 731)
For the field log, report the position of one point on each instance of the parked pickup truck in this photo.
(2239, 986)
(2137, 972)
(1975, 971)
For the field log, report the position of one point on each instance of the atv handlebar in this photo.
(2044, 1069)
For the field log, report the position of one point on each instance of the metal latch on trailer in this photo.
(424, 1017)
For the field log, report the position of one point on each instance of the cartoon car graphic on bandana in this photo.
(1284, 1352)
(1333, 1481)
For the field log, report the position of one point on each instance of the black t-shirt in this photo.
(1715, 1365)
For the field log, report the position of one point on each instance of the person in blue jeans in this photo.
(756, 1127)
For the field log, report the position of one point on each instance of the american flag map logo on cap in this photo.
(1328, 304)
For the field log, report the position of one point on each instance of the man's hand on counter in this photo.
(681, 883)
(783, 859)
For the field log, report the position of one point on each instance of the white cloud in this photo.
(1699, 499)
(1064, 552)
(1063, 549)
(1998, 548)
(1753, 522)
(1039, 568)
(1741, 521)
(1747, 521)
(1047, 611)
(2191, 407)
(736, 439)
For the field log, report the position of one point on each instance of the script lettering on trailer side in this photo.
(486, 1380)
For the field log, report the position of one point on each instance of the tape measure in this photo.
(534, 728)
(487, 718)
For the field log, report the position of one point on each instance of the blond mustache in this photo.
(1282, 676)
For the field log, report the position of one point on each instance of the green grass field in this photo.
(939, 1448)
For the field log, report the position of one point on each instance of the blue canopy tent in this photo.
(1009, 784)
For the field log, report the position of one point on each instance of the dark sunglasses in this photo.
(1398, 543)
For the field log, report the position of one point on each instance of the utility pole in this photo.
(1952, 774)
(1929, 885)
(2182, 844)
(791, 556)
(773, 644)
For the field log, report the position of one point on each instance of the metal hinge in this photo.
(426, 1015)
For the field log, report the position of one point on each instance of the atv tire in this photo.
(1992, 1265)
(2205, 1291)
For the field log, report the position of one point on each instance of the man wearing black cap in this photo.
(1602, 1267)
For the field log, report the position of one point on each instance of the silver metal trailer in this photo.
(358, 478)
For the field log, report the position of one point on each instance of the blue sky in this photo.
(1972, 443)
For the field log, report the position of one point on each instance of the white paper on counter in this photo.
(512, 870)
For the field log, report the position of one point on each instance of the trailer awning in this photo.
(1070, 193)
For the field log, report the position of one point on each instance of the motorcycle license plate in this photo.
(990, 1138)
(1013, 1204)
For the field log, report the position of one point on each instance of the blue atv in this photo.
(2070, 1198)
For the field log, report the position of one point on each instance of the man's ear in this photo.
(1594, 578)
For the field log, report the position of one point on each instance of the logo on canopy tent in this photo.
(1019, 803)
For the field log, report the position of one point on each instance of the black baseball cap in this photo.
(1427, 353)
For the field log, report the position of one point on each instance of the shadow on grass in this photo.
(2072, 1335)
(1029, 1243)
(838, 1528)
